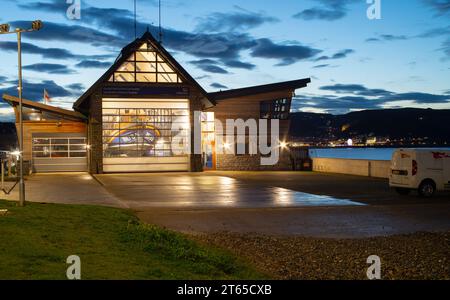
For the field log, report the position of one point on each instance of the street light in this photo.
(5, 29)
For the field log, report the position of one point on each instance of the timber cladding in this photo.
(32, 127)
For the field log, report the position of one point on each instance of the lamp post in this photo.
(5, 29)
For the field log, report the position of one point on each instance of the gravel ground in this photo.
(415, 256)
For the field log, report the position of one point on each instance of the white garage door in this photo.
(145, 135)
(59, 152)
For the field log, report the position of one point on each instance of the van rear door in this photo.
(401, 167)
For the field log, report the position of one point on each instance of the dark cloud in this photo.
(73, 33)
(48, 53)
(75, 87)
(209, 65)
(349, 97)
(287, 54)
(234, 21)
(321, 66)
(442, 7)
(239, 64)
(93, 64)
(50, 68)
(223, 46)
(219, 86)
(328, 10)
(338, 55)
(35, 91)
(388, 38)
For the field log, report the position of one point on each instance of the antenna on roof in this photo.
(160, 27)
(135, 21)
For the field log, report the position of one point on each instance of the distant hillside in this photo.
(392, 123)
(8, 136)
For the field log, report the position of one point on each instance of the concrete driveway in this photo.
(65, 188)
(281, 203)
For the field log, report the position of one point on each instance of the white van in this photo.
(424, 170)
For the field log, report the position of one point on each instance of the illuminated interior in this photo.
(146, 65)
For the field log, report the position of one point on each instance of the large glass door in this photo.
(208, 141)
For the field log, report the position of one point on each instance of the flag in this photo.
(47, 98)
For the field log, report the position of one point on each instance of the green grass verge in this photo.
(112, 244)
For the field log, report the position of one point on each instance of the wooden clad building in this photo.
(141, 114)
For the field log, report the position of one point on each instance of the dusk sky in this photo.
(401, 60)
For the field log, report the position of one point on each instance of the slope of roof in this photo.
(295, 84)
(44, 107)
(126, 52)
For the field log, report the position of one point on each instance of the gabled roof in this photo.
(14, 101)
(261, 89)
(129, 50)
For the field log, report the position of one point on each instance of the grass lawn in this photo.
(112, 244)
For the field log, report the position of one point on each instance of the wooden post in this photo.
(9, 167)
(3, 173)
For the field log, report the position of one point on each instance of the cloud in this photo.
(77, 87)
(239, 64)
(35, 91)
(328, 10)
(209, 65)
(338, 55)
(219, 86)
(49, 53)
(93, 64)
(287, 54)
(321, 66)
(350, 97)
(388, 38)
(442, 7)
(223, 46)
(234, 21)
(50, 68)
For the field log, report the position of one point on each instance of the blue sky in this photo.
(401, 60)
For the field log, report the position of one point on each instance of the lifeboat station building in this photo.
(124, 123)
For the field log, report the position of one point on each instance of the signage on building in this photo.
(137, 91)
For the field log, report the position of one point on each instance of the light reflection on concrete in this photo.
(285, 197)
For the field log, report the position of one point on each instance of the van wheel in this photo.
(403, 191)
(427, 189)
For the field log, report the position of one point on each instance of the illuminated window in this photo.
(59, 147)
(146, 65)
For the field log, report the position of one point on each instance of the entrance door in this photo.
(208, 141)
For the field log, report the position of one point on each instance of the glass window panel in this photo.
(124, 77)
(59, 148)
(41, 148)
(145, 67)
(167, 77)
(165, 68)
(77, 147)
(41, 141)
(149, 77)
(145, 56)
(78, 154)
(126, 67)
(59, 154)
(77, 141)
(41, 154)
(60, 141)
(160, 58)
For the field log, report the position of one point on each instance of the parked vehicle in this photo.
(426, 171)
